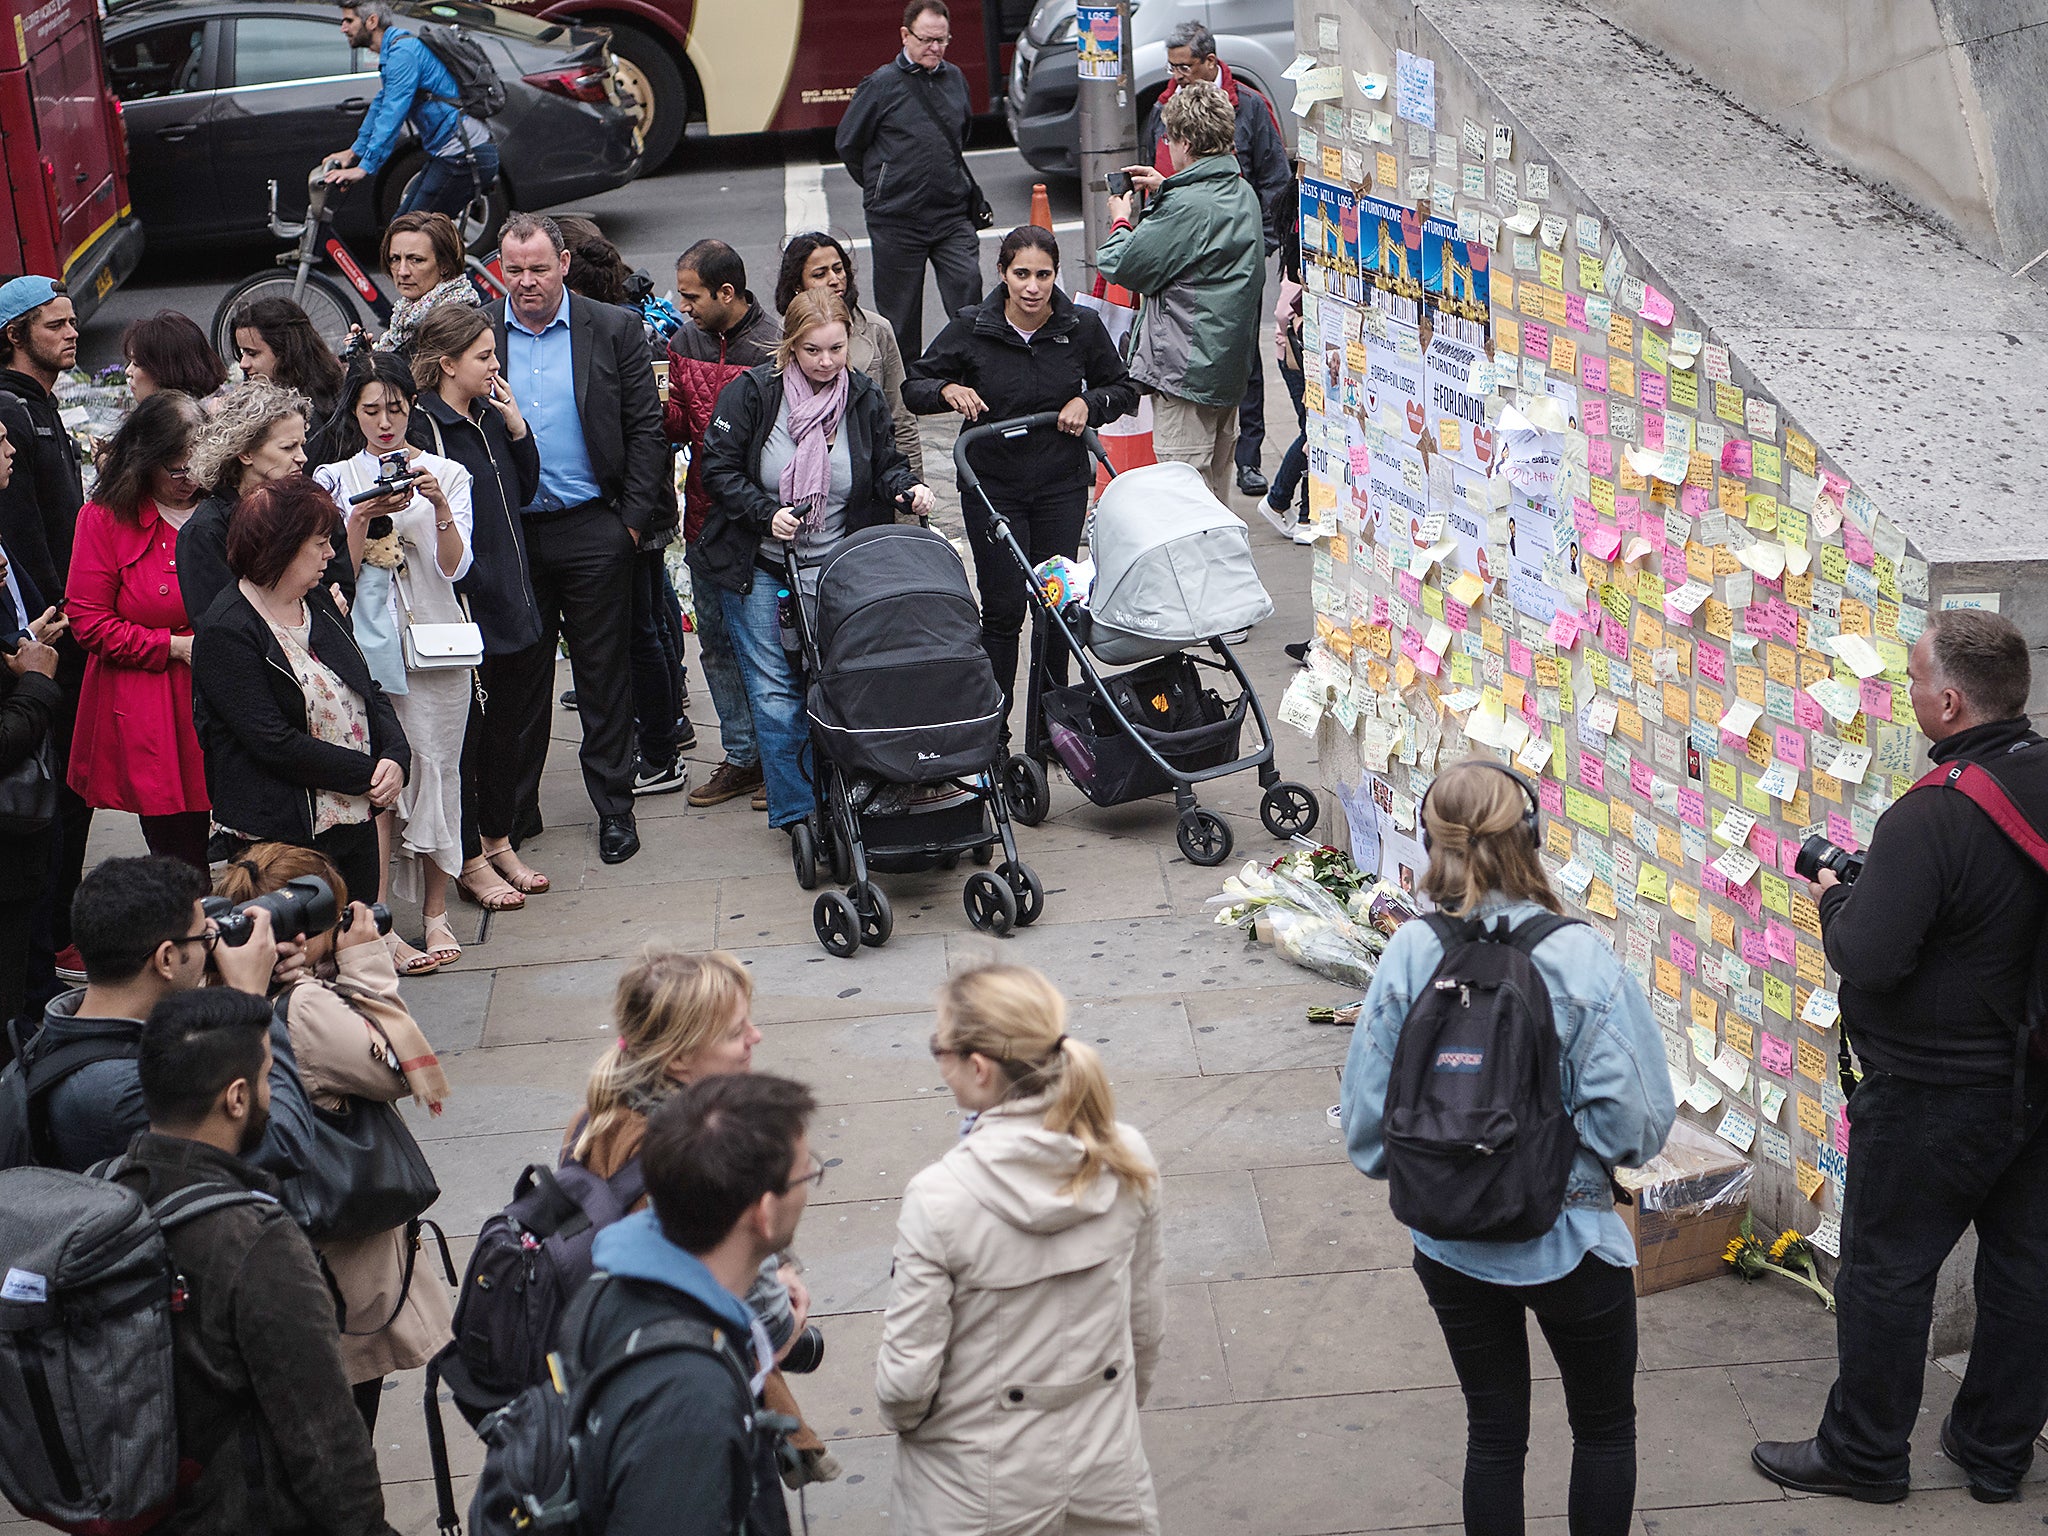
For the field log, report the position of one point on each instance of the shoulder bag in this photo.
(978, 208)
(438, 647)
(28, 791)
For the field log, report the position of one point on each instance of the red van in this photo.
(64, 208)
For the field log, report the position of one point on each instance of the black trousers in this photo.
(1045, 526)
(505, 749)
(582, 564)
(1251, 415)
(898, 256)
(1925, 1162)
(352, 850)
(1292, 477)
(657, 649)
(1589, 1320)
(179, 835)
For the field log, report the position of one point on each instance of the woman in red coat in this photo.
(135, 748)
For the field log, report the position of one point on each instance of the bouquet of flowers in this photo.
(1318, 910)
(1787, 1256)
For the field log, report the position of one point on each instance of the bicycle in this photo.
(336, 309)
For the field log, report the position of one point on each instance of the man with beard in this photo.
(264, 1411)
(38, 514)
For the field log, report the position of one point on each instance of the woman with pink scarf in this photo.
(801, 449)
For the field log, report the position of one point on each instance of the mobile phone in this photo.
(1119, 183)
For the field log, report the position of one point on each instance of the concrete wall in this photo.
(1935, 99)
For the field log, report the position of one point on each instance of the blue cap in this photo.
(19, 295)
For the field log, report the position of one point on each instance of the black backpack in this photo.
(479, 93)
(534, 1444)
(1479, 1142)
(39, 1066)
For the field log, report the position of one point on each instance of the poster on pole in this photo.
(1101, 42)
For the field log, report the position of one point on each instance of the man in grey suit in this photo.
(584, 380)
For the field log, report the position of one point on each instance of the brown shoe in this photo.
(761, 799)
(728, 782)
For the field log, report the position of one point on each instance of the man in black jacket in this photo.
(584, 381)
(1936, 944)
(677, 1450)
(264, 1411)
(38, 518)
(900, 141)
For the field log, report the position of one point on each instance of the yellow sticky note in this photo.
(1778, 996)
(1685, 902)
(1550, 270)
(1467, 588)
(1653, 884)
(1810, 1178)
(1386, 171)
(1721, 778)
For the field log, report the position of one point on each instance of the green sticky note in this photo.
(1589, 811)
(1778, 995)
(1721, 778)
(1753, 796)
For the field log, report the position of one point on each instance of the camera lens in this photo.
(807, 1354)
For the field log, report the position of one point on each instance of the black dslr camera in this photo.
(297, 908)
(806, 1354)
(394, 474)
(1817, 854)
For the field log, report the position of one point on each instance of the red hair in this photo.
(272, 524)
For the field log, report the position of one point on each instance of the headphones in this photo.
(1528, 789)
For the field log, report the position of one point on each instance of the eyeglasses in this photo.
(1180, 69)
(939, 1050)
(178, 471)
(209, 938)
(816, 1176)
(931, 42)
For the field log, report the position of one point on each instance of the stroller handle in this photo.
(1015, 427)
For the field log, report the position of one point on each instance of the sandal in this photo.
(408, 961)
(520, 876)
(440, 940)
(498, 897)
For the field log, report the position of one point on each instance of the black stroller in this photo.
(1174, 572)
(906, 737)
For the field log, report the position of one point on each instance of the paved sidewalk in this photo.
(1304, 1386)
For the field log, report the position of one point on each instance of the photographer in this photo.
(1936, 945)
(143, 935)
(352, 1037)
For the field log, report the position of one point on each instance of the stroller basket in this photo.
(1164, 700)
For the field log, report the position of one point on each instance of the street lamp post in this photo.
(1108, 114)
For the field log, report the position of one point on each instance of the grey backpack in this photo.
(87, 1293)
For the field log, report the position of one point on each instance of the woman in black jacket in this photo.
(1024, 350)
(466, 413)
(29, 702)
(301, 745)
(800, 453)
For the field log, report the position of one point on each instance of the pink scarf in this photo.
(814, 415)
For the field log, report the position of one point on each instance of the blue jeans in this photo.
(722, 670)
(773, 695)
(446, 186)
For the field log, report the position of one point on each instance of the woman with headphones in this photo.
(1480, 827)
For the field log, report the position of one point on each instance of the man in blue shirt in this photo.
(415, 86)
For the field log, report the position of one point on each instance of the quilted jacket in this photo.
(700, 364)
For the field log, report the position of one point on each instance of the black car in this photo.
(221, 97)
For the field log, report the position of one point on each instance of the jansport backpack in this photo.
(479, 93)
(1478, 1141)
(88, 1412)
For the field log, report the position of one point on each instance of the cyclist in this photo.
(415, 86)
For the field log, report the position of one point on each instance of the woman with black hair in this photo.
(410, 546)
(1026, 348)
(816, 260)
(134, 748)
(167, 350)
(275, 340)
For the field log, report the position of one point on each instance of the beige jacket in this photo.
(1021, 1336)
(871, 348)
(339, 1032)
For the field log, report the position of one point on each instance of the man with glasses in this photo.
(901, 140)
(143, 935)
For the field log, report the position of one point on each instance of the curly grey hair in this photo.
(239, 423)
(1199, 116)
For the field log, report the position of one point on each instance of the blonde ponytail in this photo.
(669, 1006)
(1016, 1018)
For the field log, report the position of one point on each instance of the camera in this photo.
(806, 1354)
(1817, 854)
(1118, 182)
(394, 473)
(297, 908)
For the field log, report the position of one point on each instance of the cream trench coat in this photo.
(1022, 1332)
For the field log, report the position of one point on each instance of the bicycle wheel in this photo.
(330, 307)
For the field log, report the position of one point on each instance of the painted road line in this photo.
(803, 198)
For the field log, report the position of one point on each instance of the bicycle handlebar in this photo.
(1016, 427)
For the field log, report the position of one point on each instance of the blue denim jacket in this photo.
(409, 78)
(1616, 1085)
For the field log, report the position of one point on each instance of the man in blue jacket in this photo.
(416, 87)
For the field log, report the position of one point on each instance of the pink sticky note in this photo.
(1806, 711)
(1411, 641)
(1753, 951)
(1536, 341)
(1592, 370)
(1656, 308)
(1602, 542)
(1361, 461)
(1712, 662)
(1551, 792)
(1763, 842)
(1748, 897)
(1651, 387)
(1692, 500)
(1789, 746)
(1626, 511)
(1685, 954)
(1778, 940)
(1593, 417)
(1737, 458)
(1842, 1130)
(1653, 429)
(1755, 621)
(1639, 776)
(1857, 543)
(1521, 660)
(1575, 311)
(1875, 696)
(1614, 640)
(1600, 456)
(1564, 631)
(1410, 587)
(1840, 833)
(1788, 858)
(1592, 773)
(1692, 807)
(1773, 1054)
(1713, 882)
(1456, 615)
(1427, 660)
(1382, 610)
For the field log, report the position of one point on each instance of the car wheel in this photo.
(662, 96)
(480, 221)
(331, 307)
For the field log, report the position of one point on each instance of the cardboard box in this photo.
(1689, 1203)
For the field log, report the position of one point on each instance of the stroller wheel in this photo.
(877, 922)
(991, 904)
(1025, 790)
(839, 853)
(1025, 887)
(1289, 809)
(1203, 836)
(803, 854)
(949, 861)
(985, 855)
(837, 923)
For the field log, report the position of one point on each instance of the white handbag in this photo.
(437, 647)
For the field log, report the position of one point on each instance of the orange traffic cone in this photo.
(1041, 206)
(1128, 439)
